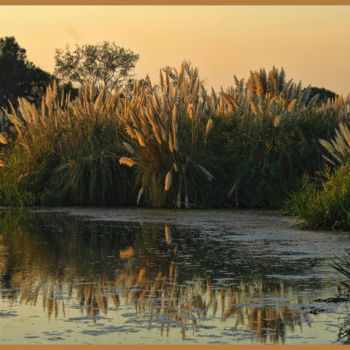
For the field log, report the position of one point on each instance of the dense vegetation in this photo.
(19, 77)
(324, 202)
(264, 142)
(173, 144)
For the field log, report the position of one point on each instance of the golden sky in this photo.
(310, 42)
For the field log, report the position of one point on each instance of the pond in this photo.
(133, 276)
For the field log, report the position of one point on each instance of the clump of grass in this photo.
(269, 132)
(325, 205)
(70, 148)
(12, 197)
(168, 131)
(89, 172)
(11, 193)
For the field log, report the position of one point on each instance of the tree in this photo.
(105, 64)
(18, 76)
(323, 94)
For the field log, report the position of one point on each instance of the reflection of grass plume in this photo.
(163, 298)
(127, 253)
(163, 293)
(3, 257)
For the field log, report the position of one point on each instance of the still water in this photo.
(108, 276)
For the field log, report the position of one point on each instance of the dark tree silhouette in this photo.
(323, 94)
(18, 76)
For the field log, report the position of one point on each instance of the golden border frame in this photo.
(177, 2)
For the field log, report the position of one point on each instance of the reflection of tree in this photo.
(100, 266)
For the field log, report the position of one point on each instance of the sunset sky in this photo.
(310, 42)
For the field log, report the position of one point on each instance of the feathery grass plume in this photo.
(253, 107)
(140, 139)
(168, 179)
(229, 101)
(276, 121)
(127, 253)
(265, 93)
(127, 161)
(139, 196)
(174, 119)
(3, 139)
(291, 105)
(313, 101)
(345, 132)
(175, 142)
(167, 232)
(190, 110)
(340, 146)
(259, 87)
(128, 147)
(161, 79)
(170, 143)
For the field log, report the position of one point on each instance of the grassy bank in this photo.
(324, 201)
(172, 144)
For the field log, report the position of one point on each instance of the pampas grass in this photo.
(168, 130)
(69, 147)
(339, 147)
(174, 144)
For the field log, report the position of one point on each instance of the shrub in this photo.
(324, 206)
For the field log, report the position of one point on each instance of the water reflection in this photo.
(173, 277)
